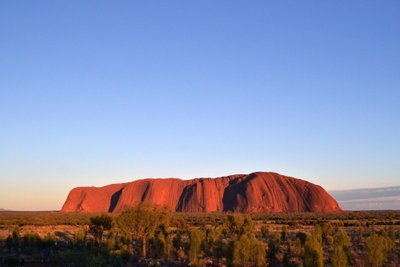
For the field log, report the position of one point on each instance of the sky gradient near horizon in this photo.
(103, 92)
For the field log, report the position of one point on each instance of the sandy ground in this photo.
(60, 231)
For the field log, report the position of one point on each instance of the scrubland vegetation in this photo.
(144, 236)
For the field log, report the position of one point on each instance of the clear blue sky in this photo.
(110, 91)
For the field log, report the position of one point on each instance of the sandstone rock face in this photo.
(255, 192)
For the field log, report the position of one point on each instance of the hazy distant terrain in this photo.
(385, 198)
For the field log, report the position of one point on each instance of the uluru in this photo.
(254, 192)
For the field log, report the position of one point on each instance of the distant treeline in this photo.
(41, 218)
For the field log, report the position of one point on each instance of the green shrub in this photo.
(313, 250)
(377, 250)
(248, 251)
(341, 254)
(196, 240)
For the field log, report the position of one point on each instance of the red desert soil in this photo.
(255, 192)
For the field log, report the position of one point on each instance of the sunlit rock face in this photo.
(255, 192)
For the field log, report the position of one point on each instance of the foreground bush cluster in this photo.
(145, 236)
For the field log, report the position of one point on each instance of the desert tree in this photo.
(247, 250)
(142, 221)
(98, 225)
